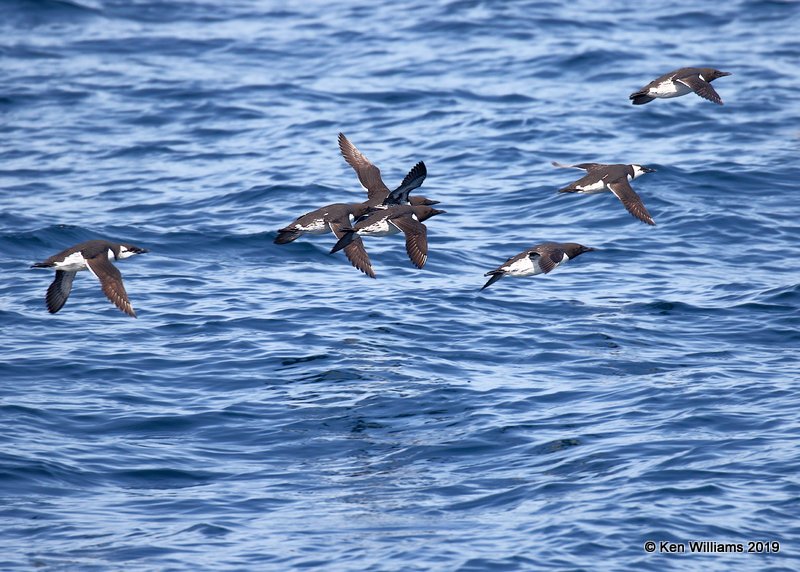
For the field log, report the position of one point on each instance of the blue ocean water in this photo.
(272, 408)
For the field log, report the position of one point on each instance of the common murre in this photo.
(322, 221)
(680, 82)
(540, 259)
(95, 256)
(331, 218)
(613, 178)
(405, 218)
(378, 194)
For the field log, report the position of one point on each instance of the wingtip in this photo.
(344, 143)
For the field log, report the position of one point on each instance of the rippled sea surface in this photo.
(272, 408)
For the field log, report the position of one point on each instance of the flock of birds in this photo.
(388, 212)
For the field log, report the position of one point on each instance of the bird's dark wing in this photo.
(111, 282)
(355, 251)
(416, 238)
(547, 260)
(633, 202)
(414, 179)
(59, 290)
(368, 174)
(701, 88)
(584, 166)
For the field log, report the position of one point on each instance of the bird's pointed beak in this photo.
(723, 74)
(648, 170)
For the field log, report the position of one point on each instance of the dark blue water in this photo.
(272, 408)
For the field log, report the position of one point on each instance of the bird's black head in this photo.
(574, 249)
(421, 201)
(424, 212)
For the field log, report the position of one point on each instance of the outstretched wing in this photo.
(701, 88)
(633, 202)
(111, 282)
(355, 251)
(368, 174)
(413, 180)
(59, 290)
(416, 238)
(584, 166)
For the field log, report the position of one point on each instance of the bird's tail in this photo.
(640, 98)
(347, 237)
(286, 235)
(495, 276)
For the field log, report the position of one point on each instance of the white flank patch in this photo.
(318, 226)
(669, 89)
(72, 263)
(522, 267)
(597, 187)
(380, 228)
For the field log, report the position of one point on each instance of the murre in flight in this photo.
(331, 218)
(94, 256)
(378, 194)
(404, 218)
(540, 259)
(680, 82)
(322, 221)
(614, 178)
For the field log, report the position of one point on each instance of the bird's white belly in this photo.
(669, 89)
(72, 263)
(380, 228)
(318, 226)
(597, 187)
(523, 267)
